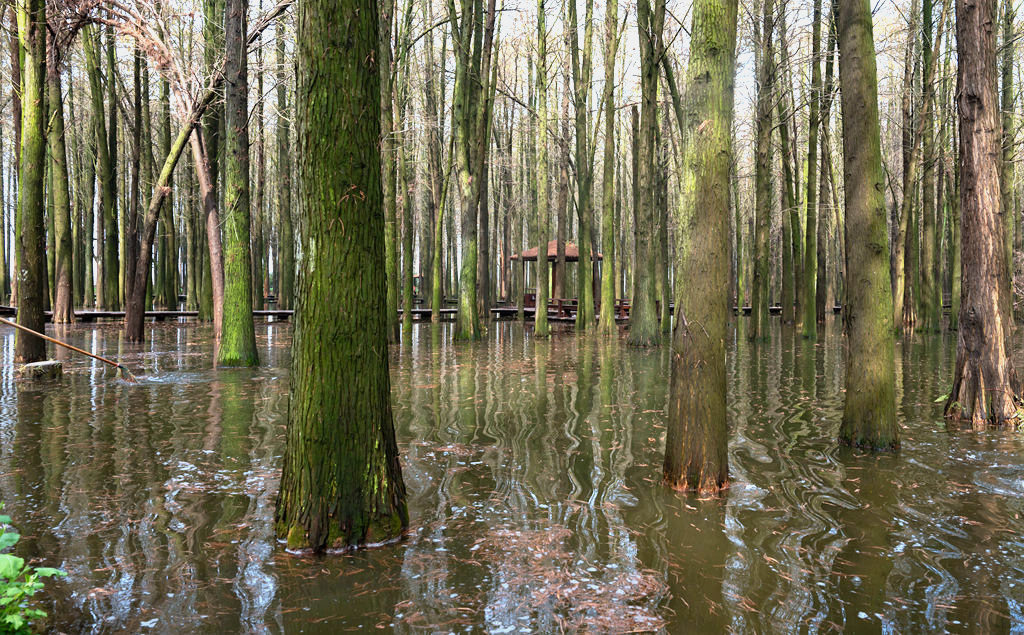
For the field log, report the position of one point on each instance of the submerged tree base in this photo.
(342, 537)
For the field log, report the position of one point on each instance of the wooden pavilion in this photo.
(572, 254)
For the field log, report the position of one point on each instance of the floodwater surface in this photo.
(533, 471)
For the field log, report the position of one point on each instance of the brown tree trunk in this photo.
(985, 386)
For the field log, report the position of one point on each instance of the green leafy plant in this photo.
(18, 583)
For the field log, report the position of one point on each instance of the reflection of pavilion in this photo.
(559, 307)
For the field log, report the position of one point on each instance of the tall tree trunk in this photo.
(582, 73)
(540, 320)
(111, 259)
(869, 411)
(168, 238)
(929, 299)
(238, 336)
(259, 245)
(286, 292)
(30, 240)
(388, 148)
(104, 172)
(763, 180)
(985, 385)
(608, 183)
(1007, 177)
(63, 311)
(16, 88)
(342, 483)
(825, 170)
(643, 328)
(810, 322)
(696, 456)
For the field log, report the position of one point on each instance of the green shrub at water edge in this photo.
(18, 583)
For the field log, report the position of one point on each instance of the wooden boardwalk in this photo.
(159, 316)
(419, 314)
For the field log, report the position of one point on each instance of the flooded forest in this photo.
(511, 316)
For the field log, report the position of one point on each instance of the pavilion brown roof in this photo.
(572, 253)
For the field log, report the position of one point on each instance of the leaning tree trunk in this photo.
(342, 483)
(985, 386)
(31, 172)
(869, 412)
(696, 456)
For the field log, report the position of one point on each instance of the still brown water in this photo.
(533, 471)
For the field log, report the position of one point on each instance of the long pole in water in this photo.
(127, 373)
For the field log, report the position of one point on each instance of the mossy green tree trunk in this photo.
(31, 271)
(104, 173)
(608, 229)
(869, 411)
(342, 484)
(696, 457)
(985, 385)
(643, 326)
(582, 74)
(1011, 216)
(810, 277)
(763, 190)
(238, 336)
(63, 311)
(540, 320)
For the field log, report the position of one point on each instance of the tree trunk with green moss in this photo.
(31, 271)
(985, 385)
(869, 412)
(341, 485)
(810, 277)
(63, 310)
(238, 336)
(540, 320)
(643, 323)
(696, 456)
(608, 230)
(1006, 178)
(582, 74)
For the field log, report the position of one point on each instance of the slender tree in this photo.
(341, 484)
(608, 229)
(869, 412)
(810, 321)
(985, 385)
(762, 176)
(540, 319)
(286, 290)
(63, 311)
